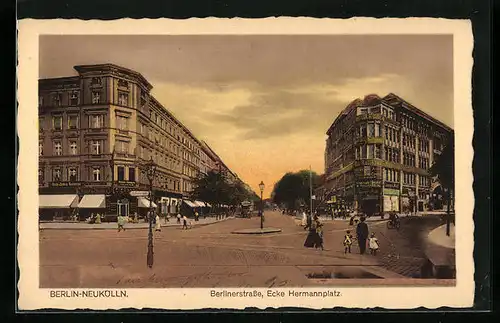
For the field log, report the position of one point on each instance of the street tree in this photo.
(293, 189)
(444, 170)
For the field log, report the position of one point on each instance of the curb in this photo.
(137, 228)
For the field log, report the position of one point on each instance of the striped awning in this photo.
(143, 202)
(93, 201)
(64, 201)
(189, 203)
(199, 203)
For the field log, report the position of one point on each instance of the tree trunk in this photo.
(448, 215)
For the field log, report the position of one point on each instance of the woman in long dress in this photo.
(313, 239)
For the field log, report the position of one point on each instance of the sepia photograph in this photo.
(246, 163)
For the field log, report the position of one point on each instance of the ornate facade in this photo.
(96, 129)
(378, 154)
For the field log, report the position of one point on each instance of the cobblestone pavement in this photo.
(402, 251)
(210, 256)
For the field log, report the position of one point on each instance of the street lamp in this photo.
(261, 186)
(150, 173)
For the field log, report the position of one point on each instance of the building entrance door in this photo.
(369, 207)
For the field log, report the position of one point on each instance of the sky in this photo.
(265, 102)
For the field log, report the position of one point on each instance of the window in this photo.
(56, 175)
(95, 147)
(371, 151)
(57, 122)
(122, 147)
(73, 148)
(378, 152)
(72, 122)
(120, 173)
(41, 176)
(72, 174)
(96, 97)
(122, 123)
(56, 99)
(122, 207)
(96, 174)
(131, 174)
(96, 121)
(377, 130)
(363, 131)
(141, 152)
(123, 98)
(40, 148)
(371, 130)
(57, 148)
(73, 98)
(363, 151)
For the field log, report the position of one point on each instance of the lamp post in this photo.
(150, 173)
(261, 186)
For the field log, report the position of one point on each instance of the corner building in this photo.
(378, 153)
(96, 129)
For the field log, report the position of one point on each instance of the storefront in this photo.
(368, 197)
(91, 205)
(58, 207)
(391, 200)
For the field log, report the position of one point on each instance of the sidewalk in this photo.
(440, 251)
(113, 225)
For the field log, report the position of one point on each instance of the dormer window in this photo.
(73, 98)
(96, 81)
(123, 83)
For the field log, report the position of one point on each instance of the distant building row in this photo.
(95, 131)
(378, 154)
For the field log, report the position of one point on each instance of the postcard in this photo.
(234, 163)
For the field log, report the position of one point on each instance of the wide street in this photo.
(212, 256)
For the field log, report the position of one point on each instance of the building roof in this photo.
(390, 99)
(110, 67)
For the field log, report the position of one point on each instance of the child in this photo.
(347, 242)
(373, 244)
(319, 231)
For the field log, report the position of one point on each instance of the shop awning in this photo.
(199, 203)
(189, 203)
(208, 205)
(93, 201)
(64, 201)
(144, 202)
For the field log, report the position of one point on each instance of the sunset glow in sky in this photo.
(264, 103)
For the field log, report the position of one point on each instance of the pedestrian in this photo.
(373, 244)
(184, 222)
(121, 223)
(362, 235)
(348, 241)
(304, 219)
(179, 218)
(167, 218)
(196, 215)
(157, 223)
(319, 231)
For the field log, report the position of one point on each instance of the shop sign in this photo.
(126, 183)
(139, 193)
(389, 191)
(64, 184)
